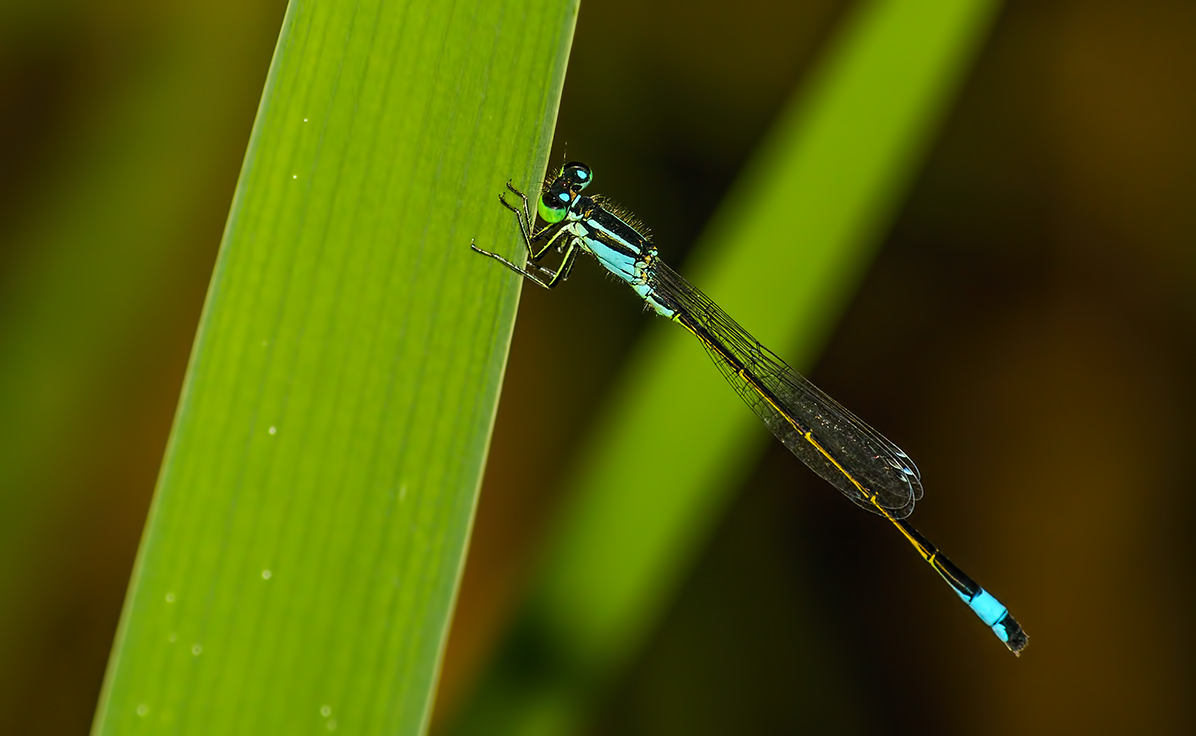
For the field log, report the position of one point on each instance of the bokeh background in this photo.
(1026, 334)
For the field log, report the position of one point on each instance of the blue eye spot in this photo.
(564, 197)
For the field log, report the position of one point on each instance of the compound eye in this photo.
(554, 204)
(577, 174)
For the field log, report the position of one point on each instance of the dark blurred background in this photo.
(1025, 335)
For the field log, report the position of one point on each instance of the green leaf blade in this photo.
(301, 559)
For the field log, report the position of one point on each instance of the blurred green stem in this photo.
(663, 461)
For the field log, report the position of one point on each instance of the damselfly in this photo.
(833, 442)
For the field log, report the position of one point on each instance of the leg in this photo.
(553, 277)
(526, 221)
(523, 217)
(545, 239)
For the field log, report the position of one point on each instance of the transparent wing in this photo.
(828, 438)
